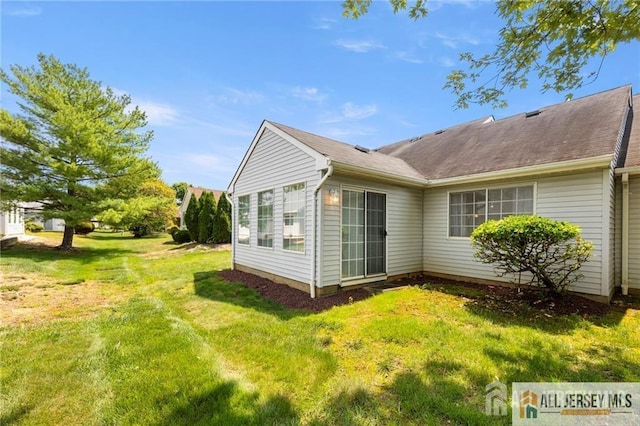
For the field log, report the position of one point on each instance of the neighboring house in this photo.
(197, 191)
(12, 222)
(321, 215)
(33, 213)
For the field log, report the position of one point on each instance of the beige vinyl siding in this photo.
(634, 232)
(574, 198)
(618, 233)
(273, 164)
(404, 228)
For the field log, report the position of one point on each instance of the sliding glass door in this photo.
(363, 233)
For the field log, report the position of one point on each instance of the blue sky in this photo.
(208, 73)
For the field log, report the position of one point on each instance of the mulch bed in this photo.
(508, 300)
(291, 297)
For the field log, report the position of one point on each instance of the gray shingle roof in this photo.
(579, 129)
(633, 152)
(347, 154)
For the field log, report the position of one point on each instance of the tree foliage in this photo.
(205, 217)
(180, 189)
(152, 210)
(191, 217)
(552, 39)
(222, 221)
(72, 145)
(551, 252)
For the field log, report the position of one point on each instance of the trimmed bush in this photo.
(83, 228)
(191, 217)
(205, 217)
(550, 251)
(173, 230)
(181, 236)
(222, 221)
(33, 227)
(140, 230)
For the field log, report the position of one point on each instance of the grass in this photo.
(141, 331)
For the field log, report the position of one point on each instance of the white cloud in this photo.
(159, 114)
(308, 94)
(359, 46)
(408, 57)
(238, 96)
(324, 23)
(453, 41)
(355, 112)
(351, 112)
(446, 62)
(210, 162)
(341, 133)
(26, 11)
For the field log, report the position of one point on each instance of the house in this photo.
(33, 212)
(197, 191)
(321, 215)
(12, 221)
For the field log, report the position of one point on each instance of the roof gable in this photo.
(633, 150)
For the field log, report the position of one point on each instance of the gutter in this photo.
(312, 283)
(519, 172)
(625, 234)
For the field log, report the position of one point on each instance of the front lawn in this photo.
(142, 331)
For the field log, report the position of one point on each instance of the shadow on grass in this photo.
(226, 404)
(110, 236)
(15, 415)
(350, 407)
(211, 286)
(45, 253)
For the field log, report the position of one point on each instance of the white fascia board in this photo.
(322, 162)
(362, 171)
(634, 170)
(603, 161)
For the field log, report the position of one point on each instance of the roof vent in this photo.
(489, 119)
(532, 113)
(362, 149)
(414, 139)
(439, 132)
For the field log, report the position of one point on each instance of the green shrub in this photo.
(173, 230)
(205, 217)
(83, 228)
(222, 222)
(32, 226)
(182, 236)
(550, 251)
(191, 217)
(140, 230)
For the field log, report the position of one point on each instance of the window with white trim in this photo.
(469, 209)
(244, 219)
(293, 217)
(265, 218)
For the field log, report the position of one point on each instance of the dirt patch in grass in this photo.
(180, 249)
(31, 299)
(290, 297)
(513, 301)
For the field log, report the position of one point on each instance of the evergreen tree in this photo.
(72, 145)
(191, 217)
(205, 217)
(222, 221)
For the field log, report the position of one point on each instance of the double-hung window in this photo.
(293, 217)
(265, 218)
(244, 219)
(469, 209)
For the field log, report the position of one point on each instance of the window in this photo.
(467, 210)
(244, 222)
(265, 218)
(293, 218)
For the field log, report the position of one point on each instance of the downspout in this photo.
(312, 289)
(625, 233)
(233, 229)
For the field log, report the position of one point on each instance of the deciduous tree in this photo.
(554, 40)
(71, 145)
